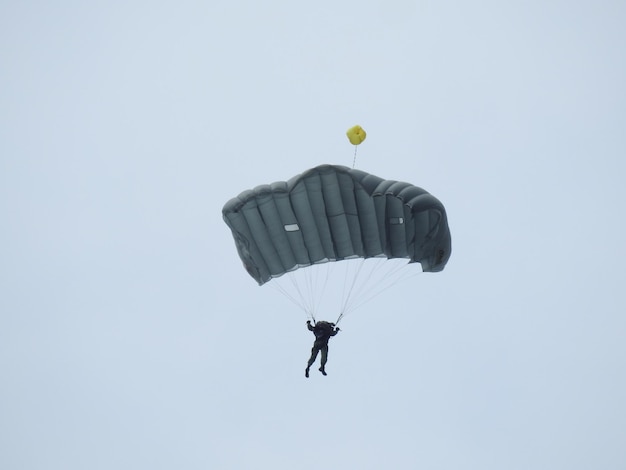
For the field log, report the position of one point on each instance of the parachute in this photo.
(334, 213)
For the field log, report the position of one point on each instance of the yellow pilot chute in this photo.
(356, 135)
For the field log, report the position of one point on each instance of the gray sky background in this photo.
(130, 334)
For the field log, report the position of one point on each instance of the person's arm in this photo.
(335, 331)
(308, 325)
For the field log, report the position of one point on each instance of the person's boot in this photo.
(322, 370)
(306, 372)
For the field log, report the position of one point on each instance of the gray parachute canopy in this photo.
(332, 213)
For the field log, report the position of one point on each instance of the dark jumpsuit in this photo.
(322, 331)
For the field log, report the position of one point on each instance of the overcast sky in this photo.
(131, 336)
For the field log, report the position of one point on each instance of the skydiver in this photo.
(322, 330)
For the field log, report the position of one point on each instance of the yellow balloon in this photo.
(356, 135)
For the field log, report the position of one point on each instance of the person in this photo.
(322, 330)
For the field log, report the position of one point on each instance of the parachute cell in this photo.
(333, 213)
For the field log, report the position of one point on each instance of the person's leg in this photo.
(324, 359)
(314, 352)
